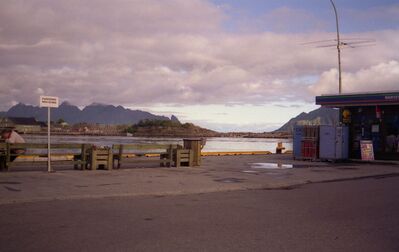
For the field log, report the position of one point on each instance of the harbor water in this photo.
(216, 144)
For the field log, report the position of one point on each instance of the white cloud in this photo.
(380, 77)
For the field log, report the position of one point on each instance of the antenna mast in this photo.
(338, 48)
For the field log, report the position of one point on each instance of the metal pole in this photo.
(338, 48)
(48, 141)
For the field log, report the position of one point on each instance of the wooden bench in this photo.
(80, 158)
(101, 157)
(165, 151)
(181, 157)
(184, 156)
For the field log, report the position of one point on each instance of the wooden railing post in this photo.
(190, 158)
(178, 158)
(110, 164)
(120, 155)
(170, 155)
(84, 157)
(93, 161)
(8, 156)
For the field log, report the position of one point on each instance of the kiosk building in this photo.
(369, 116)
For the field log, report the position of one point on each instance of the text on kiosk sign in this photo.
(49, 101)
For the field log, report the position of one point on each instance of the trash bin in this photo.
(194, 144)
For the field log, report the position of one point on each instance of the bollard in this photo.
(280, 148)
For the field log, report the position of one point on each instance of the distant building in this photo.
(21, 124)
(97, 129)
(64, 124)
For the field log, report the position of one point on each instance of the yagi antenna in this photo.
(344, 43)
(340, 43)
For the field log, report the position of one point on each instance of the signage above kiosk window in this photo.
(364, 99)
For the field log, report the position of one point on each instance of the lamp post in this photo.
(338, 48)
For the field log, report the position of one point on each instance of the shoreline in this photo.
(222, 135)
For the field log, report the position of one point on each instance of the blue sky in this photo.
(260, 6)
(227, 65)
(350, 13)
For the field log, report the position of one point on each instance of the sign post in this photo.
(49, 102)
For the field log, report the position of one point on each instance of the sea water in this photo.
(213, 144)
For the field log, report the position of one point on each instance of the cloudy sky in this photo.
(222, 64)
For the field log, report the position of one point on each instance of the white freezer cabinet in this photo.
(334, 142)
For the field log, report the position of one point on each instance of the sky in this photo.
(237, 65)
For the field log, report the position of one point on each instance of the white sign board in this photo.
(48, 102)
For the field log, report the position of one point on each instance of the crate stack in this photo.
(306, 142)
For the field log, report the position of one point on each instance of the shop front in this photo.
(369, 116)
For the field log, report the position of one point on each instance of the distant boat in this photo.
(129, 134)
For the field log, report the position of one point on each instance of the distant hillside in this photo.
(170, 128)
(320, 116)
(94, 113)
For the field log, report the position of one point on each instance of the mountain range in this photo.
(320, 116)
(94, 113)
(109, 114)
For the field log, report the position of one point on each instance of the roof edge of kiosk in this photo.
(358, 99)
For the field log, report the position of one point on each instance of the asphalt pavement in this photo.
(216, 174)
(353, 215)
